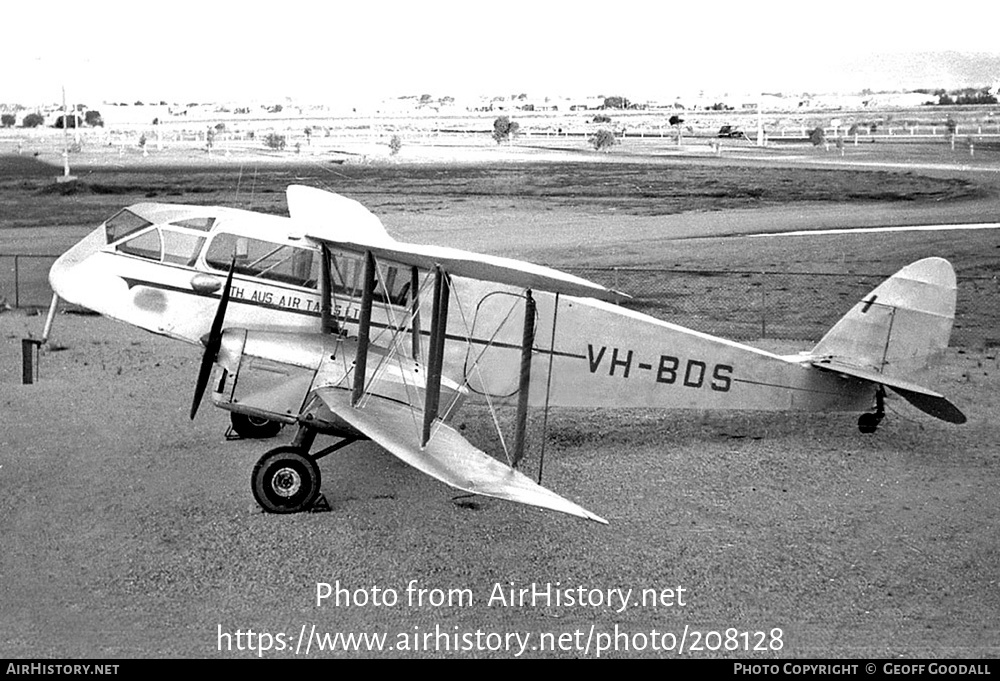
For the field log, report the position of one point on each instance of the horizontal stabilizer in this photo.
(923, 399)
(447, 457)
(936, 406)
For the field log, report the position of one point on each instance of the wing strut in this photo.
(415, 310)
(527, 342)
(439, 325)
(327, 322)
(548, 389)
(364, 328)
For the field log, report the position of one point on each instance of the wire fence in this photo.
(741, 305)
(24, 280)
(745, 305)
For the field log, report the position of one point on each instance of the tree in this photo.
(71, 121)
(8, 120)
(93, 119)
(504, 129)
(616, 102)
(33, 120)
(603, 139)
(275, 141)
(817, 136)
(676, 122)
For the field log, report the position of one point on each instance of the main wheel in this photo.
(254, 427)
(285, 480)
(868, 422)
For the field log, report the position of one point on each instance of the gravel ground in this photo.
(129, 531)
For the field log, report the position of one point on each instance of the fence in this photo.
(24, 279)
(742, 305)
(746, 305)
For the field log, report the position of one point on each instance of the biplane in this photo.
(324, 322)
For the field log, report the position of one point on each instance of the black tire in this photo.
(868, 423)
(254, 427)
(285, 480)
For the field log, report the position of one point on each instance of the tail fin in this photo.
(894, 332)
(897, 328)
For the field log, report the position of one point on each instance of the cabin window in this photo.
(348, 274)
(201, 224)
(123, 223)
(264, 259)
(181, 248)
(145, 245)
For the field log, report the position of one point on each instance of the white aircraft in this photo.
(323, 321)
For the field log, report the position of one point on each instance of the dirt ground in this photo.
(129, 531)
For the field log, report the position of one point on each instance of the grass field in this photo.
(586, 212)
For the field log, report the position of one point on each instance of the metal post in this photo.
(50, 318)
(17, 284)
(29, 348)
(763, 305)
(527, 343)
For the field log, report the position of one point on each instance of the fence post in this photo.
(17, 282)
(763, 305)
(29, 350)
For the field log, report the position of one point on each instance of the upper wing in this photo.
(448, 456)
(925, 400)
(475, 266)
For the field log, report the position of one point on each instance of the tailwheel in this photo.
(285, 480)
(253, 427)
(868, 423)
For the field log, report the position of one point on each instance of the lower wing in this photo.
(448, 456)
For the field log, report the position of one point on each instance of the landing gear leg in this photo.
(287, 479)
(869, 422)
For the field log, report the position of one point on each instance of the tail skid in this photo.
(894, 332)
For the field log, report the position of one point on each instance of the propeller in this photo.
(212, 343)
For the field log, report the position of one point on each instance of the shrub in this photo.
(33, 120)
(603, 139)
(395, 144)
(8, 120)
(275, 141)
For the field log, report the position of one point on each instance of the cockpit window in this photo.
(264, 259)
(146, 245)
(123, 223)
(201, 224)
(179, 248)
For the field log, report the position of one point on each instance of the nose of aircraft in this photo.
(66, 277)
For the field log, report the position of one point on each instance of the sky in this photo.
(366, 50)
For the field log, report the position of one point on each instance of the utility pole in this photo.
(66, 177)
(760, 120)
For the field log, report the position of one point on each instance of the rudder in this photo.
(900, 326)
